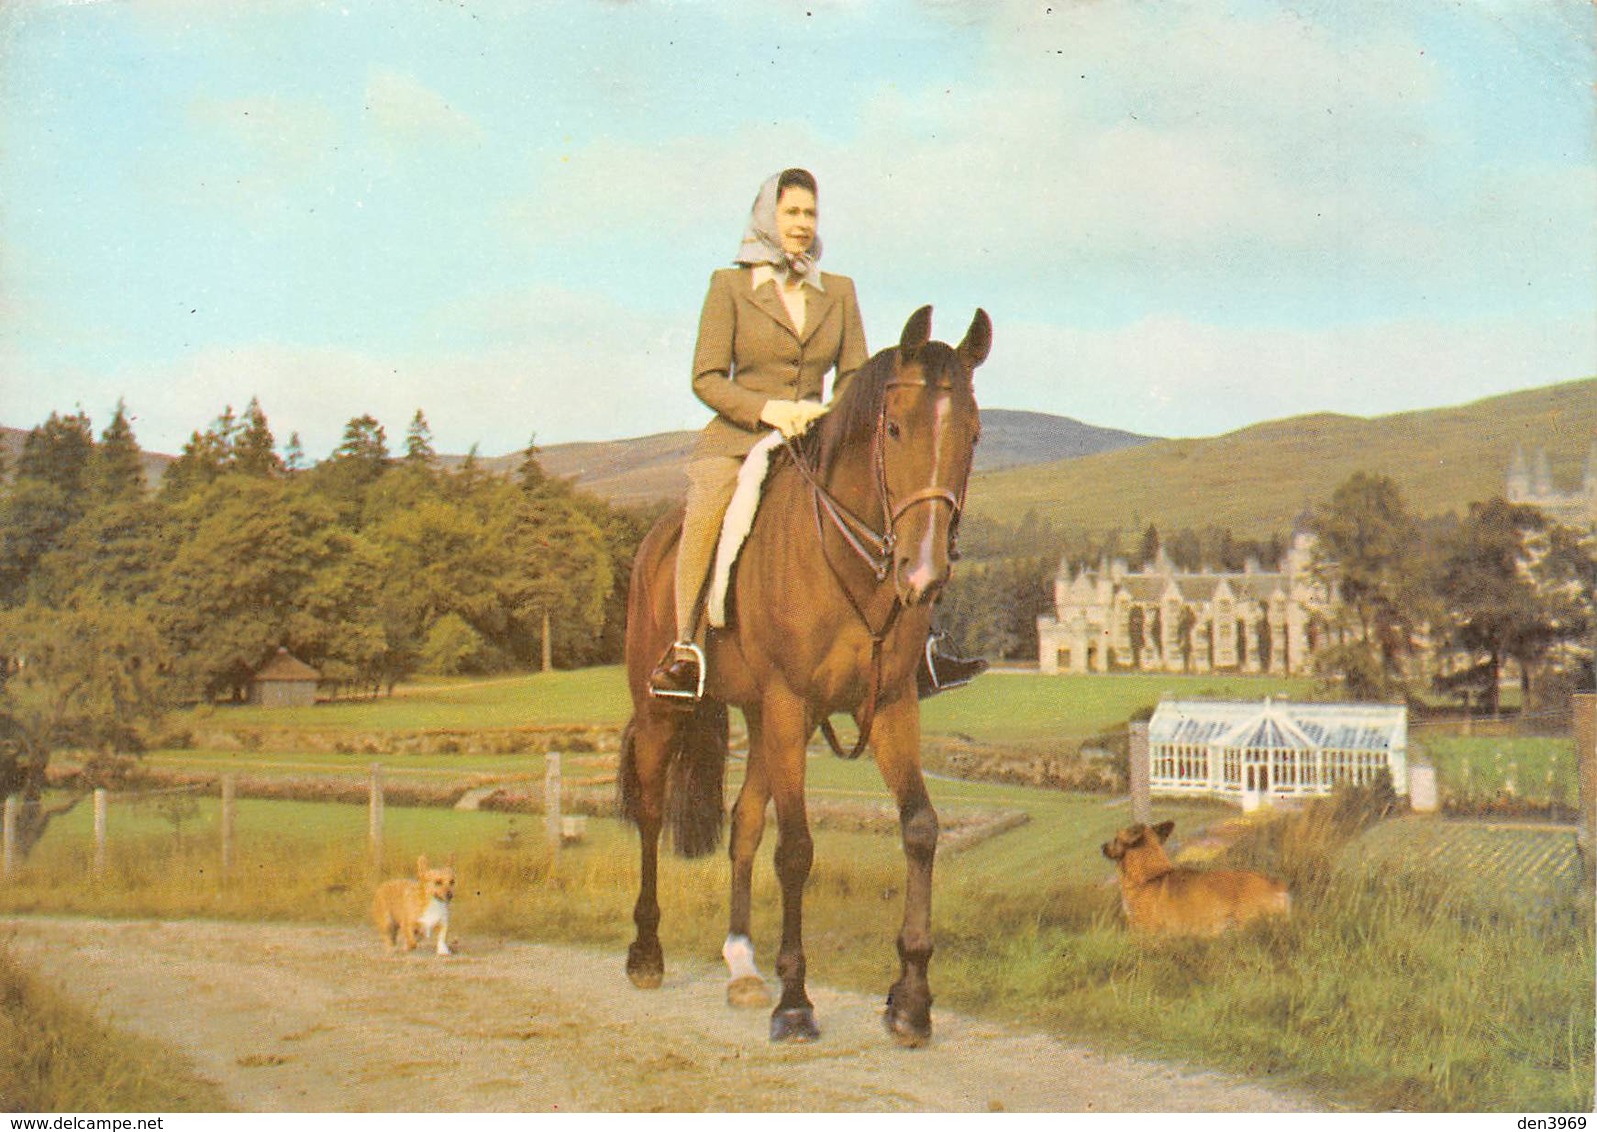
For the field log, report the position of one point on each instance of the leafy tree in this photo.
(1148, 548)
(58, 452)
(452, 647)
(1494, 610)
(1564, 570)
(84, 678)
(206, 456)
(356, 465)
(115, 553)
(246, 577)
(1366, 549)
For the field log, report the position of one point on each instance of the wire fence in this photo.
(560, 827)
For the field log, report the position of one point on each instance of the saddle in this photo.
(736, 525)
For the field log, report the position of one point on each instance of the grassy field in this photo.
(1005, 707)
(1430, 965)
(584, 697)
(1477, 770)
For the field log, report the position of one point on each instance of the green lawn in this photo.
(581, 697)
(1001, 707)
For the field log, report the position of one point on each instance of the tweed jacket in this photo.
(749, 353)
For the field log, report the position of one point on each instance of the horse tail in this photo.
(694, 807)
(696, 758)
(628, 788)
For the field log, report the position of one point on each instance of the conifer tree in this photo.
(116, 469)
(254, 449)
(419, 443)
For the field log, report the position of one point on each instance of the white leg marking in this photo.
(738, 951)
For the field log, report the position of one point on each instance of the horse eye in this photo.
(892, 429)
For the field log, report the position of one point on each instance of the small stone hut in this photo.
(1255, 752)
(284, 681)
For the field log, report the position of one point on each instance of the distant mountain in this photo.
(651, 467)
(1258, 480)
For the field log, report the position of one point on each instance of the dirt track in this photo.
(294, 1018)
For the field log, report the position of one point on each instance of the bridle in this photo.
(872, 547)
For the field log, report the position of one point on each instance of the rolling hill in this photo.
(1257, 480)
(651, 467)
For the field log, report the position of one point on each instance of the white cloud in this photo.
(1168, 376)
(404, 113)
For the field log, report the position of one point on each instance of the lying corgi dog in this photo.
(1159, 897)
(408, 910)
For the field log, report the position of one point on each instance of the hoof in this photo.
(910, 1032)
(750, 990)
(645, 967)
(795, 1024)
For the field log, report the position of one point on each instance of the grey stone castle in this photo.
(1532, 482)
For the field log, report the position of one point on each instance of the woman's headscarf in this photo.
(763, 244)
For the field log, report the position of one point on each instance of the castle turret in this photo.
(1542, 479)
(1518, 477)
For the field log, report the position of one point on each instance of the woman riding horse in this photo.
(772, 327)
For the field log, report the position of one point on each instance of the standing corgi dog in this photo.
(1159, 897)
(408, 910)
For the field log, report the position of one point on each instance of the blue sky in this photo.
(1183, 217)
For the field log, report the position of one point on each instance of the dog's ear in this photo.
(421, 865)
(1112, 850)
(1163, 830)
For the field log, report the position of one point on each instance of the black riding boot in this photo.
(940, 671)
(679, 676)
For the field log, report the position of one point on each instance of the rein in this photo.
(872, 548)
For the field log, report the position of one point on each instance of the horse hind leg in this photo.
(644, 751)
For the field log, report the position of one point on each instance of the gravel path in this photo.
(295, 1018)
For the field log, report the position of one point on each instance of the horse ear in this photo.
(917, 332)
(978, 340)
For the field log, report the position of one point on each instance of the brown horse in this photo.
(835, 584)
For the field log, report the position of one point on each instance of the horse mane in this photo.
(853, 416)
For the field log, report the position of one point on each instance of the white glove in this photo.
(792, 418)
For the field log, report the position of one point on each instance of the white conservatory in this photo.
(1253, 752)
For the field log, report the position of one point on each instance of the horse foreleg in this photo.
(645, 958)
(786, 729)
(897, 746)
(745, 985)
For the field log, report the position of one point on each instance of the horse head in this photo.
(926, 438)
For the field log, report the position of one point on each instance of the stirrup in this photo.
(929, 681)
(684, 697)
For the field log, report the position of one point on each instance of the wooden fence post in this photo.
(10, 836)
(101, 800)
(551, 799)
(375, 816)
(229, 788)
(1141, 797)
